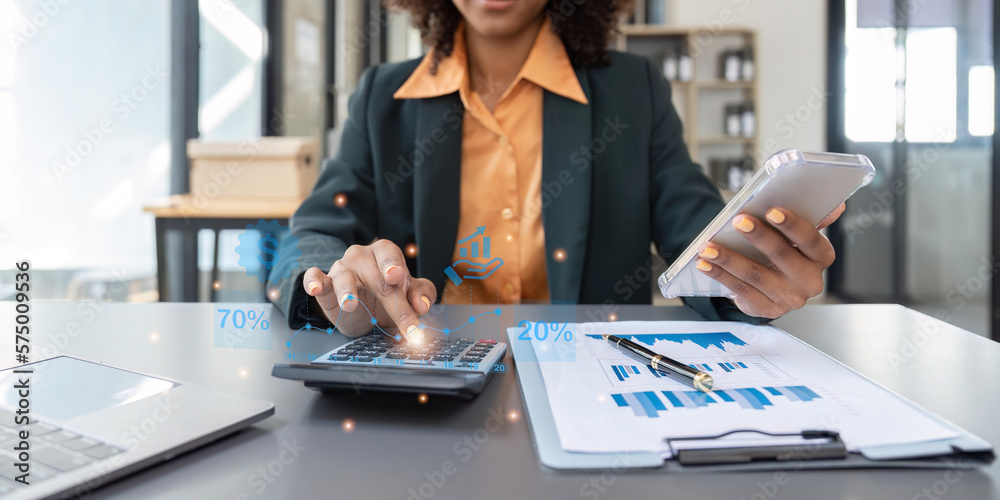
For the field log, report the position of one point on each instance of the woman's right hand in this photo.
(376, 275)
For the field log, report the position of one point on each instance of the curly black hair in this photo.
(584, 26)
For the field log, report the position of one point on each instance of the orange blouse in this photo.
(501, 169)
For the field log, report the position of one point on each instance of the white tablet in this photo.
(811, 185)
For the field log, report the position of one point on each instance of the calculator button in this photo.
(342, 357)
(363, 359)
(368, 353)
(442, 357)
(471, 359)
(396, 355)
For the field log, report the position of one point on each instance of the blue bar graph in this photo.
(728, 367)
(749, 398)
(622, 372)
(643, 404)
(719, 340)
(673, 399)
(473, 248)
(703, 367)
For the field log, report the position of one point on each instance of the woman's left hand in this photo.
(798, 252)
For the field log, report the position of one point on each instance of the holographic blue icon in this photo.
(474, 246)
(259, 251)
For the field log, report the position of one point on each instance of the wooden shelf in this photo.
(726, 85)
(703, 99)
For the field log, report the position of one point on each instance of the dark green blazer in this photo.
(616, 176)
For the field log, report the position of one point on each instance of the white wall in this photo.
(791, 62)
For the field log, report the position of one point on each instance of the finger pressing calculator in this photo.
(448, 366)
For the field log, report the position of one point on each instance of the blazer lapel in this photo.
(566, 178)
(436, 185)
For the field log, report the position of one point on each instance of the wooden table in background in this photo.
(187, 215)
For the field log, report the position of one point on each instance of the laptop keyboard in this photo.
(54, 450)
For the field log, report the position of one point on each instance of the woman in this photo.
(521, 160)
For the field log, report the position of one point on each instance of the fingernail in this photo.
(389, 269)
(704, 266)
(426, 302)
(345, 297)
(312, 287)
(709, 253)
(775, 216)
(414, 334)
(743, 224)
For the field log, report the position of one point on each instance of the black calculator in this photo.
(443, 365)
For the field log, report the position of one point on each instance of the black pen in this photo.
(701, 380)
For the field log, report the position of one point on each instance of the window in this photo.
(981, 94)
(84, 92)
(870, 81)
(931, 86)
(937, 58)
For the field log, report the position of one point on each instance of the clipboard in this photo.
(966, 451)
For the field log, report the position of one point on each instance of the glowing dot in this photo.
(216, 285)
(347, 425)
(154, 337)
(498, 311)
(374, 321)
(600, 398)
(340, 200)
(243, 373)
(411, 250)
(513, 415)
(510, 237)
(559, 255)
(329, 330)
(472, 319)
(422, 399)
(399, 337)
(273, 294)
(613, 317)
(309, 326)
(446, 331)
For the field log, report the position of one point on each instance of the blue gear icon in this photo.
(259, 252)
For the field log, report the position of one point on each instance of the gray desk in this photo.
(398, 443)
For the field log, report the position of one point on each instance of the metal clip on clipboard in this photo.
(831, 449)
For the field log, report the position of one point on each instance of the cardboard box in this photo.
(275, 167)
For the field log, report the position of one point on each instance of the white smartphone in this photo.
(811, 185)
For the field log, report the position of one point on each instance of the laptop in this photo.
(89, 424)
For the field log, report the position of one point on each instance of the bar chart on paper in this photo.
(733, 371)
(651, 403)
(689, 344)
